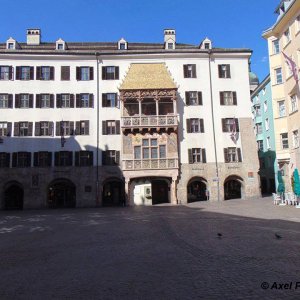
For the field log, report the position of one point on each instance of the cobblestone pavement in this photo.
(161, 252)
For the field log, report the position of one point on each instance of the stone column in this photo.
(173, 192)
(128, 200)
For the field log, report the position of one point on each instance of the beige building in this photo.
(284, 39)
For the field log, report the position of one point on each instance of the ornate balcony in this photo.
(146, 164)
(149, 121)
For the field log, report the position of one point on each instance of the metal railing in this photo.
(150, 121)
(144, 164)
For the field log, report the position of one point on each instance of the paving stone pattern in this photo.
(161, 252)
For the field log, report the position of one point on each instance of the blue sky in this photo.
(228, 23)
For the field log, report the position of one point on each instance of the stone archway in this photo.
(197, 190)
(13, 196)
(233, 186)
(113, 193)
(61, 194)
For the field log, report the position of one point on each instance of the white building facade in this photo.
(92, 124)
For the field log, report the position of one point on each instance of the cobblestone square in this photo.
(158, 252)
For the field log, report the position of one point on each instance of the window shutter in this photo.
(37, 131)
(223, 125)
(30, 100)
(38, 101)
(103, 158)
(51, 124)
(28, 159)
(200, 98)
(78, 100)
(14, 159)
(77, 153)
(226, 155)
(194, 71)
(35, 159)
(49, 159)
(188, 125)
(87, 127)
(104, 100)
(237, 124)
(91, 73)
(11, 73)
(77, 128)
(103, 73)
(70, 158)
(91, 100)
(220, 71)
(203, 156)
(16, 129)
(30, 128)
(51, 100)
(17, 100)
(190, 154)
(18, 73)
(118, 157)
(228, 71)
(78, 73)
(239, 154)
(51, 73)
(9, 129)
(58, 100)
(103, 127)
(31, 73)
(222, 98)
(56, 159)
(71, 100)
(7, 160)
(10, 101)
(57, 132)
(38, 73)
(117, 127)
(65, 73)
(201, 125)
(187, 98)
(72, 128)
(234, 98)
(185, 71)
(116, 72)
(91, 158)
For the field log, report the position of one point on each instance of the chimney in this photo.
(33, 36)
(169, 38)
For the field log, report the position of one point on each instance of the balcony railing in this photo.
(150, 121)
(160, 163)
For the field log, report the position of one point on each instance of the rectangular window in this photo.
(84, 100)
(45, 128)
(82, 127)
(229, 123)
(296, 139)
(24, 126)
(45, 101)
(287, 36)
(6, 73)
(42, 159)
(65, 101)
(162, 151)
(193, 98)
(259, 128)
(278, 76)
(44, 73)
(110, 127)
(189, 71)
(196, 154)
(281, 109)
(228, 98)
(265, 106)
(84, 73)
(24, 100)
(109, 100)
(4, 160)
(3, 100)
(284, 140)
(224, 71)
(65, 73)
(3, 129)
(267, 125)
(294, 103)
(83, 158)
(276, 48)
(63, 158)
(110, 73)
(150, 150)
(25, 73)
(195, 125)
(232, 154)
(268, 143)
(257, 110)
(21, 159)
(111, 157)
(66, 128)
(137, 152)
(260, 145)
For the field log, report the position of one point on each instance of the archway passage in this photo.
(160, 192)
(113, 193)
(62, 194)
(197, 190)
(232, 189)
(13, 197)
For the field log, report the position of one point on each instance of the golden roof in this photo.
(148, 76)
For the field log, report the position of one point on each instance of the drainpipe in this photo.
(213, 125)
(97, 147)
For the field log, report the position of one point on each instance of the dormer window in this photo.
(60, 45)
(122, 44)
(170, 45)
(11, 44)
(206, 45)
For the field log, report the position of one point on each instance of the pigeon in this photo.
(278, 236)
(220, 235)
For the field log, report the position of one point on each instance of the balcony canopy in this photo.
(148, 77)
